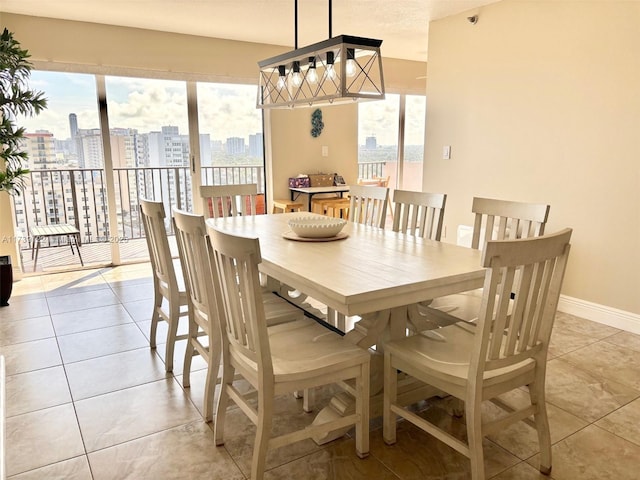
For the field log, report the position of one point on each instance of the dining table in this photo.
(375, 274)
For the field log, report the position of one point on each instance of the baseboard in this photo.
(613, 317)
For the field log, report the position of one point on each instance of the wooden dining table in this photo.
(376, 274)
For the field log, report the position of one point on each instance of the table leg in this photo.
(36, 243)
(77, 237)
(373, 330)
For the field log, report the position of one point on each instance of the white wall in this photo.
(540, 102)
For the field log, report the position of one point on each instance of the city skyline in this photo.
(225, 111)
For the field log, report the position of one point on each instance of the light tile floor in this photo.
(88, 399)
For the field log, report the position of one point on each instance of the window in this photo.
(378, 140)
(230, 134)
(414, 124)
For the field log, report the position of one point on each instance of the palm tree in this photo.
(15, 99)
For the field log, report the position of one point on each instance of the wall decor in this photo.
(316, 123)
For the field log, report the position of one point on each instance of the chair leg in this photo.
(362, 410)
(155, 318)
(390, 396)
(537, 396)
(174, 318)
(265, 416)
(189, 353)
(213, 365)
(228, 373)
(474, 434)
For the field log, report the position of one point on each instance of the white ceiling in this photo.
(403, 25)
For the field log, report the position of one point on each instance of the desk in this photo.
(377, 274)
(57, 230)
(311, 191)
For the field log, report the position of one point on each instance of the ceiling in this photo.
(403, 25)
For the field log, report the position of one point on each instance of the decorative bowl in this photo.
(316, 227)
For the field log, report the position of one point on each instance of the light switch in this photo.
(325, 151)
(446, 152)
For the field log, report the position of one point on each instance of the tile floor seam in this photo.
(613, 433)
(602, 376)
(75, 411)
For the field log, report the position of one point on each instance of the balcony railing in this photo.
(78, 196)
(371, 169)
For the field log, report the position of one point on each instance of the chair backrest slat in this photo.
(419, 213)
(532, 269)
(228, 200)
(368, 205)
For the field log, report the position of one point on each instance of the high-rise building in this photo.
(256, 145)
(90, 154)
(73, 125)
(371, 143)
(235, 146)
(41, 150)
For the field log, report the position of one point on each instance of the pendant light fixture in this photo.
(342, 69)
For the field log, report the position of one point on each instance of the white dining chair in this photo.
(493, 220)
(289, 357)
(368, 205)
(419, 213)
(170, 298)
(229, 200)
(507, 349)
(204, 309)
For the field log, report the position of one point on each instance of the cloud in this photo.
(144, 104)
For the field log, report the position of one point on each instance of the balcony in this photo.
(78, 196)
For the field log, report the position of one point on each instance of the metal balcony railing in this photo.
(78, 196)
(370, 169)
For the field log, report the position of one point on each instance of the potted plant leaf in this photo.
(16, 99)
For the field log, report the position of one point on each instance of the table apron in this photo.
(373, 302)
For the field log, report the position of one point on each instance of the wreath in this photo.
(316, 123)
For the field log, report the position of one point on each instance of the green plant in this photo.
(15, 99)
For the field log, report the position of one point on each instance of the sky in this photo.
(224, 110)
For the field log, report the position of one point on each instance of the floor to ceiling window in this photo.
(391, 140)
(63, 144)
(149, 147)
(231, 139)
(148, 153)
(413, 158)
(378, 138)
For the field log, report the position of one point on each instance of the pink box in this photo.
(299, 182)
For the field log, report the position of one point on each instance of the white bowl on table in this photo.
(316, 227)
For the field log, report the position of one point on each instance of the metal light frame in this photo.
(342, 69)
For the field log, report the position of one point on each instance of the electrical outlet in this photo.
(446, 152)
(325, 151)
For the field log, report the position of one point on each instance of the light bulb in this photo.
(350, 66)
(282, 77)
(330, 71)
(312, 73)
(296, 77)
